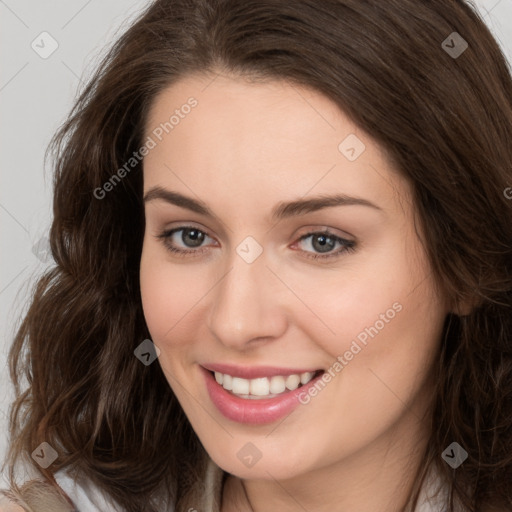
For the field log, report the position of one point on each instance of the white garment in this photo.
(85, 496)
(433, 496)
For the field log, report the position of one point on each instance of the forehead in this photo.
(273, 137)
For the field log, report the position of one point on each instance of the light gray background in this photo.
(35, 96)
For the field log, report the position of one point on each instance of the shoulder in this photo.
(7, 505)
(75, 493)
(35, 496)
(67, 494)
(71, 494)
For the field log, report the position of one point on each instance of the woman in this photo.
(282, 235)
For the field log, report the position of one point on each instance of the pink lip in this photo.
(254, 372)
(256, 412)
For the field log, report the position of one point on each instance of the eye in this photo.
(192, 239)
(324, 242)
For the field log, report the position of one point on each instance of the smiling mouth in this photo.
(263, 387)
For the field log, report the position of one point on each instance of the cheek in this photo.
(387, 343)
(384, 312)
(353, 303)
(164, 295)
(171, 296)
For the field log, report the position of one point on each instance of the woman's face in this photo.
(266, 162)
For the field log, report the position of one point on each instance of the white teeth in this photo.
(227, 382)
(277, 384)
(262, 386)
(240, 386)
(292, 382)
(306, 377)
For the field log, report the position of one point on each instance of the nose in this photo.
(247, 307)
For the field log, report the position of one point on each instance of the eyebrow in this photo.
(281, 211)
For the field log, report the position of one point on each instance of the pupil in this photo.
(324, 246)
(194, 235)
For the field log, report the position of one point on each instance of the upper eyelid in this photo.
(184, 227)
(308, 231)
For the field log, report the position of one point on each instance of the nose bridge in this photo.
(245, 305)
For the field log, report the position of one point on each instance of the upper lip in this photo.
(254, 372)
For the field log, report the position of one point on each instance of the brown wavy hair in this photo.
(445, 124)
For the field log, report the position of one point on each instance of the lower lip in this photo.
(254, 411)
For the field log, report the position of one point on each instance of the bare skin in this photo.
(243, 149)
(9, 506)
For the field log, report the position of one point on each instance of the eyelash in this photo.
(348, 245)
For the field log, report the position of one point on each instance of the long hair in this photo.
(445, 123)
